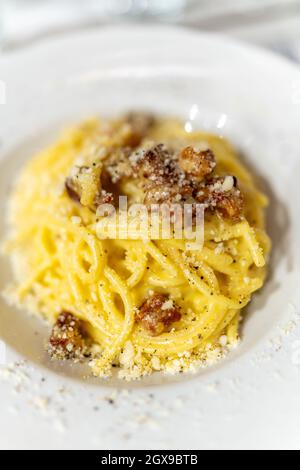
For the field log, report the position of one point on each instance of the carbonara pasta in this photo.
(140, 305)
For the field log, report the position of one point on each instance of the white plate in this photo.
(250, 400)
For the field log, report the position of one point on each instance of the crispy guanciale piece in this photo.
(140, 123)
(156, 165)
(164, 182)
(66, 341)
(158, 313)
(221, 194)
(186, 179)
(103, 197)
(84, 186)
(197, 163)
(168, 194)
(117, 166)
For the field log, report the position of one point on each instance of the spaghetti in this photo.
(62, 266)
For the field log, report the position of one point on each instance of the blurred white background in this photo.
(271, 23)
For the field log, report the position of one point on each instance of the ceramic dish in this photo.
(253, 97)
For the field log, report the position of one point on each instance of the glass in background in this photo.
(28, 18)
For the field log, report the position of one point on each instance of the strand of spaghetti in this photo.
(82, 310)
(161, 258)
(206, 271)
(223, 231)
(263, 239)
(113, 315)
(213, 331)
(162, 281)
(243, 229)
(221, 262)
(27, 285)
(235, 168)
(200, 285)
(192, 278)
(180, 341)
(121, 288)
(140, 254)
(233, 328)
(253, 245)
(247, 287)
(97, 255)
(65, 225)
(19, 238)
(101, 330)
(221, 327)
(202, 267)
(47, 244)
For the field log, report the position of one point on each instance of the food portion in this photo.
(137, 304)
